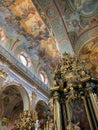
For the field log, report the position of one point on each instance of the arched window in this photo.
(43, 77)
(25, 60)
(3, 37)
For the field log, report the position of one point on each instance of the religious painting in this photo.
(29, 17)
(78, 114)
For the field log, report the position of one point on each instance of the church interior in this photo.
(48, 64)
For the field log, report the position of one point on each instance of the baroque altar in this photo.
(75, 101)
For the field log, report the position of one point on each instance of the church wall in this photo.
(28, 91)
(13, 77)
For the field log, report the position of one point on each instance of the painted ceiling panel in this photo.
(89, 54)
(56, 24)
(45, 29)
(27, 23)
(30, 19)
(78, 16)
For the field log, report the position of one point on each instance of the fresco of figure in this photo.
(86, 5)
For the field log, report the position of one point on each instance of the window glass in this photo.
(43, 77)
(23, 60)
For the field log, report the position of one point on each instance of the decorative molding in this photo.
(16, 66)
(85, 37)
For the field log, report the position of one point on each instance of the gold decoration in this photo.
(5, 120)
(3, 74)
(70, 73)
(71, 85)
(34, 95)
(96, 98)
(26, 121)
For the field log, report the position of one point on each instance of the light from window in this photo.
(43, 78)
(23, 60)
(3, 37)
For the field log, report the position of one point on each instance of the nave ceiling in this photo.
(44, 29)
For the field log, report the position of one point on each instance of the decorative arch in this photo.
(89, 54)
(22, 91)
(42, 112)
(3, 37)
(42, 109)
(42, 75)
(86, 43)
(41, 102)
(84, 38)
(24, 58)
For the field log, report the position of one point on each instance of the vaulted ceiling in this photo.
(44, 29)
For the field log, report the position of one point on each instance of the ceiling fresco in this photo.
(85, 6)
(44, 29)
(22, 29)
(54, 21)
(89, 54)
(78, 16)
(29, 17)
(70, 19)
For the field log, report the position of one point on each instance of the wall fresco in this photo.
(86, 36)
(89, 53)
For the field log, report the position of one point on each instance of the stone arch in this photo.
(88, 53)
(42, 110)
(41, 101)
(15, 100)
(22, 91)
(85, 43)
(84, 38)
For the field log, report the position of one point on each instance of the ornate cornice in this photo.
(18, 68)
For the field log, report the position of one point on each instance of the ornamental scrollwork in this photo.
(26, 121)
(70, 72)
